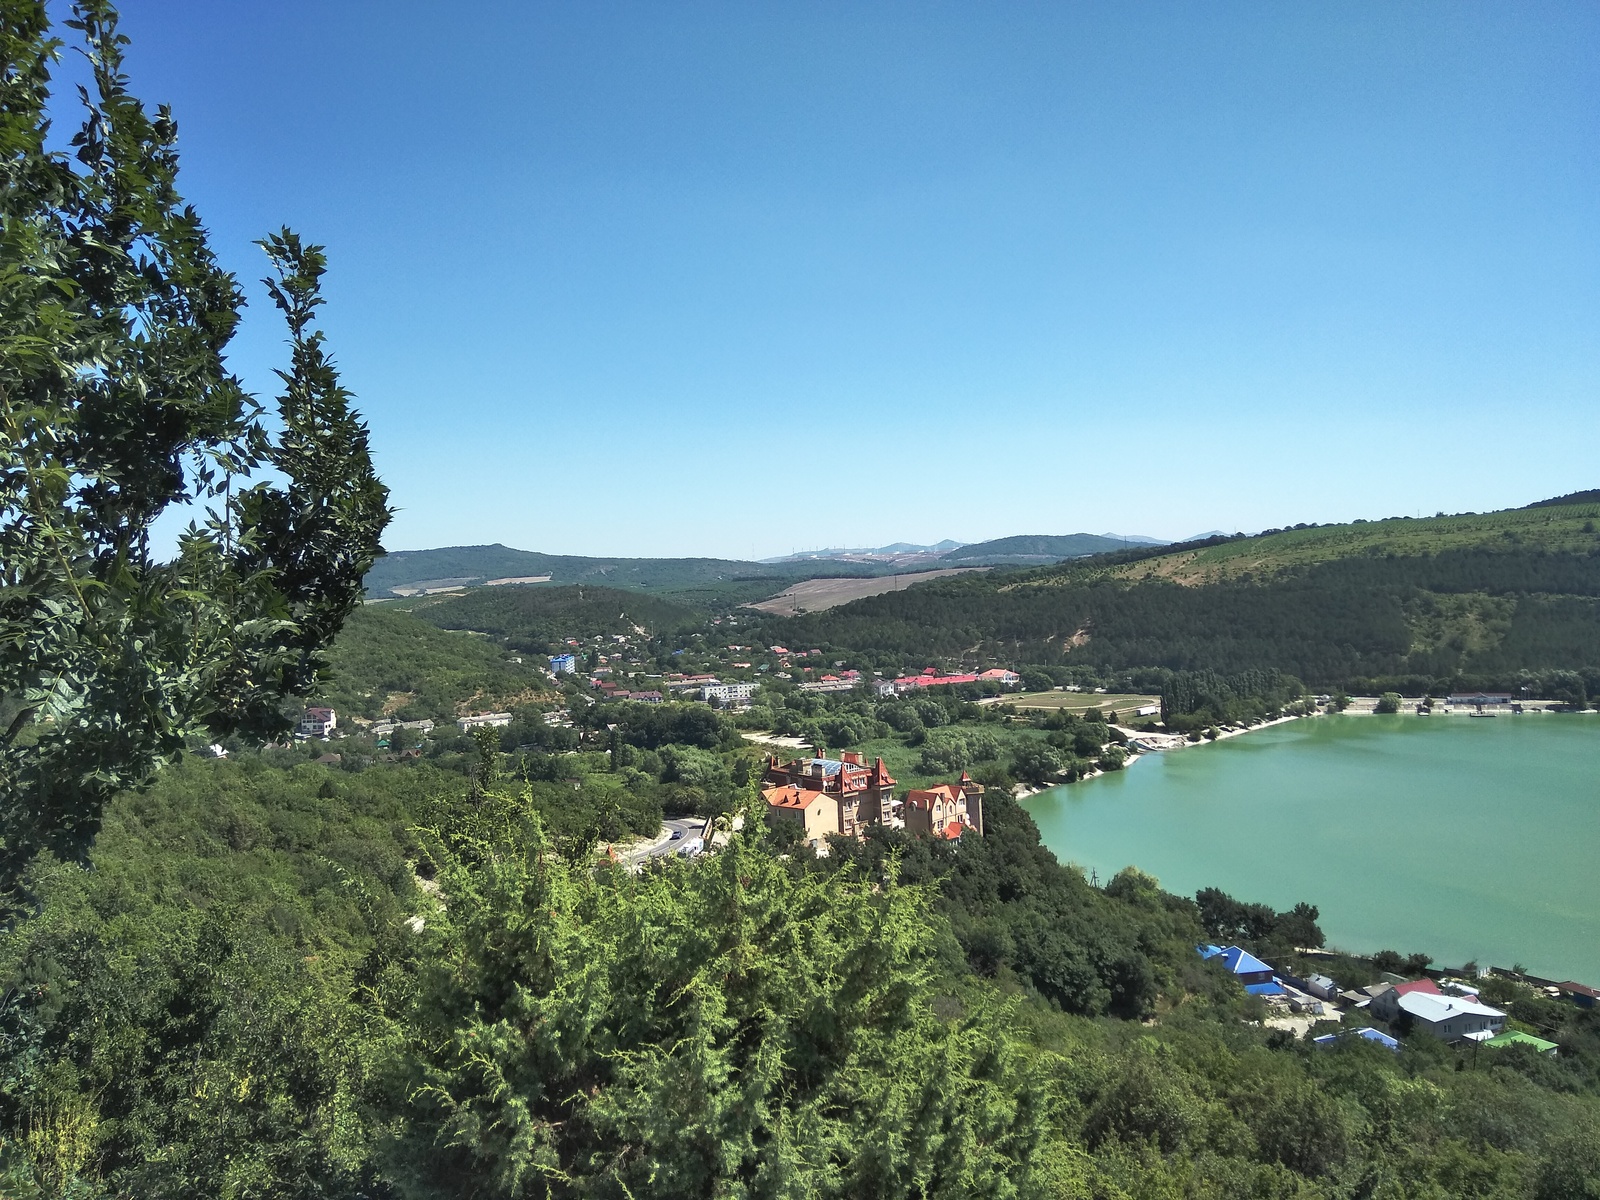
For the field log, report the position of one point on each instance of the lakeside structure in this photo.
(845, 796)
(946, 810)
(841, 792)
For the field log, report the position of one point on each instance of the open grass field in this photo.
(1077, 702)
(816, 595)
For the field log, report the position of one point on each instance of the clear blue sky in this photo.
(740, 278)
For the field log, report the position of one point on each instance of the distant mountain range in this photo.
(408, 572)
(894, 550)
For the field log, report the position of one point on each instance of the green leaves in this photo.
(719, 1029)
(115, 405)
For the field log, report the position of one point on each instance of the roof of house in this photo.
(952, 830)
(1433, 1008)
(1580, 989)
(1265, 989)
(924, 797)
(789, 796)
(1417, 985)
(1512, 1037)
(1242, 962)
(1369, 1033)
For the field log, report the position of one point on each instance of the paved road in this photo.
(664, 842)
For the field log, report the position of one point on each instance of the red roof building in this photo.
(946, 810)
(864, 793)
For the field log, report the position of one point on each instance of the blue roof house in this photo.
(1246, 967)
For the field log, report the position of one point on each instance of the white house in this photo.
(484, 720)
(728, 693)
(1448, 1018)
(317, 723)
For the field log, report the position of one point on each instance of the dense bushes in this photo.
(236, 1000)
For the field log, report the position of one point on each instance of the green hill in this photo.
(1032, 549)
(453, 566)
(388, 661)
(536, 619)
(1480, 598)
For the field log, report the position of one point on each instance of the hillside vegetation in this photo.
(1487, 597)
(295, 982)
(1037, 548)
(539, 619)
(387, 662)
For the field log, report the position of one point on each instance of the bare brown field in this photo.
(814, 595)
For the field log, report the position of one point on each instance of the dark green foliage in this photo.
(115, 405)
(1195, 699)
(1257, 926)
(729, 1030)
(654, 725)
(537, 619)
(1017, 911)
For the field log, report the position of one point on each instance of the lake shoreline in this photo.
(1472, 842)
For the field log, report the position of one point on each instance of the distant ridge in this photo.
(1041, 549)
(1592, 496)
(405, 572)
(894, 549)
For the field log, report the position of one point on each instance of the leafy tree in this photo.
(1389, 702)
(116, 404)
(721, 1029)
(1036, 762)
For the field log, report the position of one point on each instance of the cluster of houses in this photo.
(1450, 1011)
(844, 796)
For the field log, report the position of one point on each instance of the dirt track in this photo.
(814, 595)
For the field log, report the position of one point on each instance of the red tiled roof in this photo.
(924, 797)
(1418, 985)
(953, 830)
(790, 796)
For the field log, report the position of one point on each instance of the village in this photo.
(1444, 1005)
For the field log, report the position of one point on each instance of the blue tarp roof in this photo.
(1242, 962)
(1328, 1040)
(1208, 951)
(1265, 989)
(830, 766)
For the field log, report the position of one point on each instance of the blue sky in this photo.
(742, 278)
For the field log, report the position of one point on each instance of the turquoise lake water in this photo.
(1467, 839)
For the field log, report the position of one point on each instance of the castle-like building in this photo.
(844, 796)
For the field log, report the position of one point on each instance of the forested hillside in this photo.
(1039, 548)
(539, 619)
(300, 982)
(387, 662)
(1474, 598)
